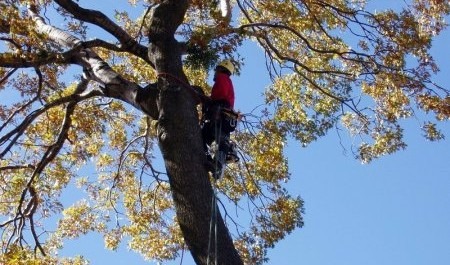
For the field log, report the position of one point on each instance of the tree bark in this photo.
(172, 103)
(180, 140)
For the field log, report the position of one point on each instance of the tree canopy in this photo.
(90, 100)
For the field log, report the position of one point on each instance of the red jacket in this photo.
(223, 90)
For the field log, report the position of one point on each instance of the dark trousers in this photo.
(212, 132)
(213, 129)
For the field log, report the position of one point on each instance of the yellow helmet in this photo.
(227, 64)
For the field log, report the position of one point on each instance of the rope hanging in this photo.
(213, 220)
(213, 227)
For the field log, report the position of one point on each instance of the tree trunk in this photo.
(180, 141)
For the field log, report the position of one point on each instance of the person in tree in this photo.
(219, 119)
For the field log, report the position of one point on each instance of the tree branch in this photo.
(99, 19)
(25, 60)
(113, 85)
(31, 206)
(225, 9)
(29, 166)
(4, 78)
(15, 133)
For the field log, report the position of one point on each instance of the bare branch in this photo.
(98, 18)
(28, 166)
(149, 8)
(35, 236)
(8, 75)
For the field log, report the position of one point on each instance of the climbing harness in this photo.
(221, 120)
(230, 117)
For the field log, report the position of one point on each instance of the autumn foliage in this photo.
(81, 136)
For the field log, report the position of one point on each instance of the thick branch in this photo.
(225, 9)
(166, 19)
(98, 18)
(98, 70)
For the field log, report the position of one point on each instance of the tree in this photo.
(333, 65)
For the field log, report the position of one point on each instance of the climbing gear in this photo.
(219, 113)
(230, 117)
(219, 160)
(227, 64)
(214, 166)
(222, 121)
(213, 227)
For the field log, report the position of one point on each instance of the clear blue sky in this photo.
(394, 211)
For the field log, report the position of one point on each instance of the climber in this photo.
(219, 119)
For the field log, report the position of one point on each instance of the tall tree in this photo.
(333, 64)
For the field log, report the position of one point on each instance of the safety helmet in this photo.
(227, 64)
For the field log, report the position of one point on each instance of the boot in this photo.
(219, 162)
(232, 156)
(215, 167)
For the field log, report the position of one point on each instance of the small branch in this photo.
(35, 236)
(21, 215)
(149, 8)
(32, 205)
(28, 166)
(123, 156)
(9, 74)
(53, 150)
(15, 133)
(15, 44)
(25, 60)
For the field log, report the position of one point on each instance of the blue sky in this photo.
(394, 211)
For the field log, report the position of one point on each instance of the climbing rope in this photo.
(213, 219)
(213, 226)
